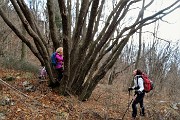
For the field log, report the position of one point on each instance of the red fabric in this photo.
(147, 83)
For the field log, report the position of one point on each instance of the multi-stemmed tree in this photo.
(87, 29)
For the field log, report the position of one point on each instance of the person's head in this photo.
(60, 50)
(137, 72)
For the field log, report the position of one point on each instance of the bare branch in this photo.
(20, 35)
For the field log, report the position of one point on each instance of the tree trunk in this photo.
(88, 55)
(140, 38)
(23, 49)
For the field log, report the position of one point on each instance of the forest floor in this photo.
(42, 103)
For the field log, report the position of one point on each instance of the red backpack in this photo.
(148, 84)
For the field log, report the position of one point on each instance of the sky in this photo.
(171, 30)
(168, 31)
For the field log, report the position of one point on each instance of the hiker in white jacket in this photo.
(139, 91)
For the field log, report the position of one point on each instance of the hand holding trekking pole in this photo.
(130, 88)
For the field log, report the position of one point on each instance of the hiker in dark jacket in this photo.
(59, 65)
(139, 91)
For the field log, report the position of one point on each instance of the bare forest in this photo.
(103, 42)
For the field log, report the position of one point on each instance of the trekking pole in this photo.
(129, 97)
(129, 103)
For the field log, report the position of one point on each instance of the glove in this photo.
(130, 88)
(138, 92)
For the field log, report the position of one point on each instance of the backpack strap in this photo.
(138, 78)
(137, 81)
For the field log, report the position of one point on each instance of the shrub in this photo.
(13, 63)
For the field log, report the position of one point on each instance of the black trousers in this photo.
(60, 73)
(139, 99)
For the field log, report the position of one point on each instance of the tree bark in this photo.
(140, 36)
(64, 16)
(23, 49)
(52, 24)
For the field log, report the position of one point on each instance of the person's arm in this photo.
(59, 57)
(133, 87)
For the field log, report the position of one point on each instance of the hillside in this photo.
(24, 97)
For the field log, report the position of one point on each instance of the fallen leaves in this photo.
(45, 103)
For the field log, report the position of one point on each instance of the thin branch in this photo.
(20, 35)
(28, 97)
(156, 36)
(30, 31)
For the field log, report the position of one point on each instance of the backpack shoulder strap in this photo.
(138, 78)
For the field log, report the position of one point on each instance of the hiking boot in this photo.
(133, 118)
(142, 112)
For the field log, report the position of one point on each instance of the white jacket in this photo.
(140, 83)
